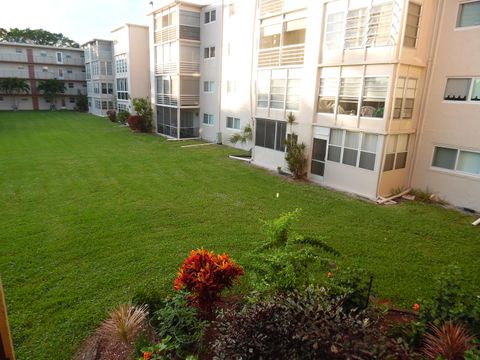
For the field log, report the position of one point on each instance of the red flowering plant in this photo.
(205, 275)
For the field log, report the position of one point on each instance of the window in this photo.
(233, 123)
(122, 89)
(104, 88)
(327, 95)
(334, 30)
(122, 107)
(469, 14)
(380, 25)
(72, 100)
(96, 88)
(349, 94)
(374, 94)
(208, 119)
(283, 31)
(271, 134)
(60, 73)
(355, 28)
(279, 89)
(396, 152)
(69, 71)
(209, 86)
(110, 88)
(352, 148)
(70, 85)
(59, 58)
(457, 89)
(404, 98)
(210, 16)
(456, 160)
(43, 53)
(209, 52)
(18, 51)
(120, 64)
(335, 145)
(411, 29)
(475, 90)
(104, 105)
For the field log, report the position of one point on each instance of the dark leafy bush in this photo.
(205, 275)
(123, 117)
(304, 325)
(180, 321)
(134, 122)
(112, 115)
(152, 298)
(143, 108)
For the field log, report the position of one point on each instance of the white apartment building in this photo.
(35, 63)
(100, 77)
(355, 73)
(131, 64)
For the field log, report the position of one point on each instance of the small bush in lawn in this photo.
(205, 275)
(304, 325)
(449, 341)
(151, 298)
(134, 122)
(112, 115)
(124, 324)
(123, 117)
(143, 108)
(179, 321)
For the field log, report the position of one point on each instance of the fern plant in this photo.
(295, 157)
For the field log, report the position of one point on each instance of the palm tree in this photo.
(13, 87)
(50, 90)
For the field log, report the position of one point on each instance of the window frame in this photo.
(233, 119)
(459, 15)
(210, 119)
(281, 126)
(469, 94)
(455, 170)
(418, 27)
(209, 85)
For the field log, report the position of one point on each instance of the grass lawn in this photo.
(91, 212)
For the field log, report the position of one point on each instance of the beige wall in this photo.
(448, 123)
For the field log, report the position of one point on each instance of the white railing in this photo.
(52, 75)
(13, 57)
(14, 73)
(188, 67)
(289, 55)
(167, 99)
(189, 100)
(53, 60)
(168, 34)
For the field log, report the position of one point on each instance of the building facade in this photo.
(36, 63)
(374, 100)
(131, 64)
(100, 76)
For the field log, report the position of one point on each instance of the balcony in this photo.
(168, 68)
(172, 100)
(167, 99)
(23, 74)
(51, 75)
(13, 57)
(186, 67)
(288, 55)
(165, 35)
(189, 100)
(53, 60)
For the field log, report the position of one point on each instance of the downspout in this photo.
(427, 84)
(219, 136)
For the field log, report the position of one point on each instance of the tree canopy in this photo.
(37, 37)
(51, 89)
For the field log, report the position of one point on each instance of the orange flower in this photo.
(147, 355)
(330, 274)
(416, 307)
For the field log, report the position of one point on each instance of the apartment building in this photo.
(356, 74)
(447, 157)
(35, 63)
(100, 76)
(131, 64)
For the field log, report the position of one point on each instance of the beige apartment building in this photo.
(371, 83)
(131, 64)
(35, 63)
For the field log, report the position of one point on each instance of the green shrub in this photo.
(295, 157)
(122, 117)
(177, 319)
(152, 298)
(304, 325)
(143, 108)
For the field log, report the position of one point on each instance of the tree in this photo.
(144, 110)
(36, 36)
(13, 87)
(51, 89)
(296, 159)
(82, 102)
(243, 137)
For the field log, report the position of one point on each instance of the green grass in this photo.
(90, 213)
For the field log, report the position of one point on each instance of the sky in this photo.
(79, 20)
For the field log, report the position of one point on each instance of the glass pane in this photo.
(294, 32)
(270, 130)
(350, 157)
(367, 161)
(444, 158)
(270, 36)
(260, 132)
(375, 88)
(476, 90)
(352, 140)
(469, 14)
(457, 89)
(469, 162)
(389, 160)
(401, 161)
(281, 134)
(391, 144)
(355, 28)
(334, 153)
(402, 143)
(369, 143)
(318, 168)
(319, 149)
(336, 137)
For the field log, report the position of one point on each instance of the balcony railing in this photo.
(188, 67)
(52, 75)
(168, 34)
(53, 60)
(189, 100)
(167, 99)
(13, 57)
(23, 74)
(290, 55)
(168, 68)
